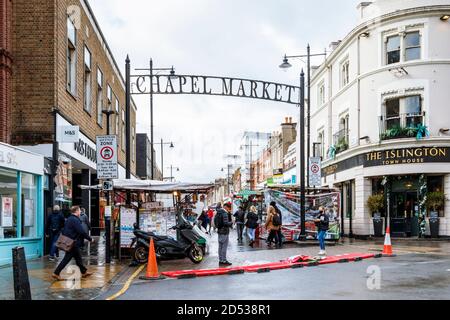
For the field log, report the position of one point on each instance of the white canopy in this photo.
(160, 186)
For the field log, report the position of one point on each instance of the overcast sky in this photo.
(236, 38)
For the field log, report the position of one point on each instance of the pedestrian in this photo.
(251, 224)
(204, 220)
(73, 229)
(240, 222)
(279, 232)
(323, 222)
(211, 217)
(85, 224)
(223, 222)
(273, 223)
(55, 223)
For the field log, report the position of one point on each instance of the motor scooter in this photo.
(190, 244)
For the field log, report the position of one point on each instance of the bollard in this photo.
(22, 289)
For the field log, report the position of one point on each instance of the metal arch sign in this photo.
(216, 86)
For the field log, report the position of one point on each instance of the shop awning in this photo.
(157, 186)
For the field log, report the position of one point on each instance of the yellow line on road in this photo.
(127, 284)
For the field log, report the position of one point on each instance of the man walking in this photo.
(240, 222)
(323, 222)
(85, 224)
(223, 222)
(55, 223)
(74, 230)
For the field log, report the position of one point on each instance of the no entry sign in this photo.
(315, 172)
(107, 157)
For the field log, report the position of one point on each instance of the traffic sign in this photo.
(108, 186)
(107, 157)
(315, 172)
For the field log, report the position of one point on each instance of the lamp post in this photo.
(172, 75)
(286, 65)
(171, 171)
(108, 114)
(302, 157)
(162, 155)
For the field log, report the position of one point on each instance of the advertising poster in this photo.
(7, 212)
(127, 219)
(153, 217)
(29, 213)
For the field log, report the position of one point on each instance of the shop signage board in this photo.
(68, 134)
(315, 172)
(107, 167)
(127, 220)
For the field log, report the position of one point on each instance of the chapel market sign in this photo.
(391, 157)
(217, 86)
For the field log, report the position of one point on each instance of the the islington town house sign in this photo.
(391, 157)
(216, 86)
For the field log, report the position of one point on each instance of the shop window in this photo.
(29, 205)
(87, 80)
(71, 57)
(100, 97)
(8, 204)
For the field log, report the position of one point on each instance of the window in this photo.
(412, 46)
(71, 57)
(8, 204)
(99, 97)
(133, 146)
(403, 112)
(321, 94)
(29, 205)
(320, 149)
(345, 73)
(117, 119)
(87, 80)
(122, 138)
(403, 47)
(393, 49)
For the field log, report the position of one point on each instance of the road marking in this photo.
(127, 284)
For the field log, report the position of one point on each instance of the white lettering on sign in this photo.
(107, 167)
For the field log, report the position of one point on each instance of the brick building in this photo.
(56, 69)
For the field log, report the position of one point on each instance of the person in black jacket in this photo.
(224, 223)
(252, 224)
(240, 222)
(55, 223)
(74, 230)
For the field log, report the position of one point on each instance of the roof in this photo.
(160, 186)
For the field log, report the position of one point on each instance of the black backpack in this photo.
(218, 220)
(276, 220)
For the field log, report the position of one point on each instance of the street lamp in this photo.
(171, 76)
(285, 65)
(171, 171)
(162, 155)
(109, 112)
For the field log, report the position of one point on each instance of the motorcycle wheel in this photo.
(195, 254)
(140, 254)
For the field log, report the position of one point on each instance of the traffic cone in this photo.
(387, 250)
(152, 267)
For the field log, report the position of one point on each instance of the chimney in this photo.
(334, 44)
(362, 8)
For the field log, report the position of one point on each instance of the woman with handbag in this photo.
(70, 241)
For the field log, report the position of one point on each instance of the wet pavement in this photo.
(43, 287)
(420, 271)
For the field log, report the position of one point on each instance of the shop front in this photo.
(412, 185)
(21, 202)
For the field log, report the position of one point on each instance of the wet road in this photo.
(409, 276)
(421, 270)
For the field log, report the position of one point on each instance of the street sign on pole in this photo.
(315, 172)
(107, 157)
(107, 186)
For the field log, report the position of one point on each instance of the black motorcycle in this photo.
(191, 244)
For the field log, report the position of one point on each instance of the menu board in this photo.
(127, 220)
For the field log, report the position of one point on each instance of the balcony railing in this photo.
(340, 140)
(405, 125)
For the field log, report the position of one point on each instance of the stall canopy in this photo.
(156, 186)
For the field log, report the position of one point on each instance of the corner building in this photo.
(380, 116)
(64, 73)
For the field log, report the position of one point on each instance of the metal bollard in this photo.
(22, 290)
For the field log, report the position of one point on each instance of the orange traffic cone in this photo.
(387, 250)
(152, 266)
